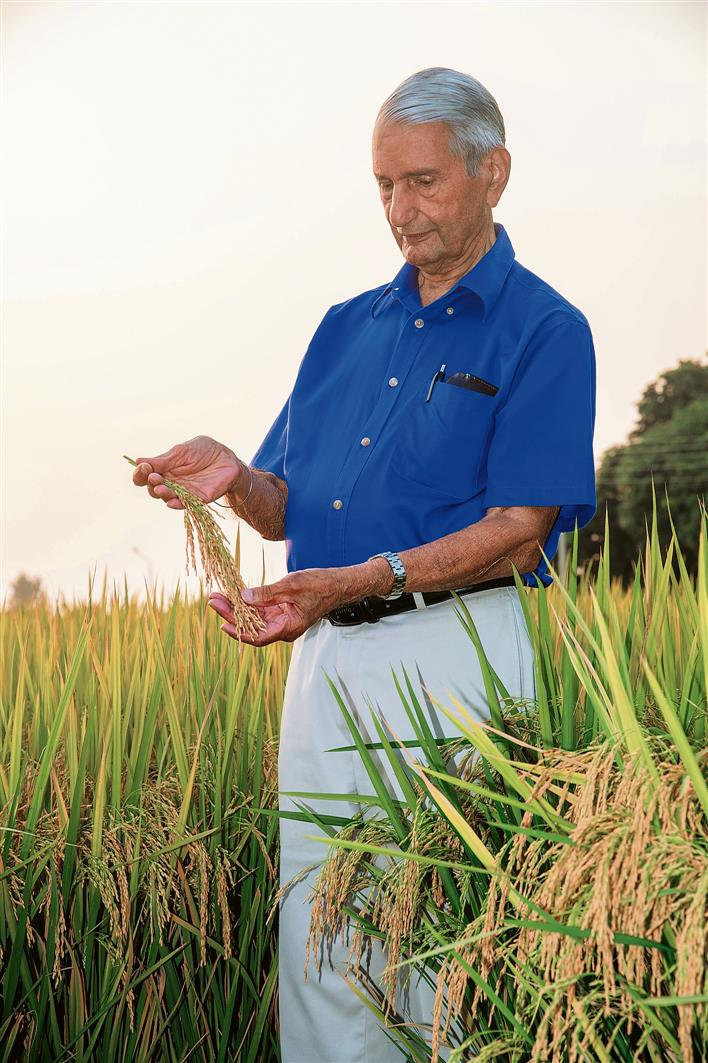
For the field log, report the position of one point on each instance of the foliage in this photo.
(669, 393)
(669, 447)
(25, 591)
(138, 825)
(555, 887)
(137, 868)
(674, 452)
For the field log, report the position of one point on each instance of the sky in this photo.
(187, 188)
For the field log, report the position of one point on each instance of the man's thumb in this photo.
(159, 462)
(256, 595)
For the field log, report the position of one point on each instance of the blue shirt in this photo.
(370, 465)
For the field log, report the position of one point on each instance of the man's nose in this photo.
(401, 208)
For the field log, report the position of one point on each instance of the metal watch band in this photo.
(399, 574)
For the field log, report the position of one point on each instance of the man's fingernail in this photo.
(247, 594)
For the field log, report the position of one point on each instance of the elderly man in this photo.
(439, 431)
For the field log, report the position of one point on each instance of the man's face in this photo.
(425, 189)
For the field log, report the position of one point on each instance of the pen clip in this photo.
(439, 375)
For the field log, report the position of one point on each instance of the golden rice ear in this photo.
(219, 566)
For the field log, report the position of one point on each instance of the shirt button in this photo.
(365, 441)
(419, 322)
(337, 504)
(450, 310)
(393, 381)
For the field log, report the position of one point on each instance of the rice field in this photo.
(137, 875)
(554, 891)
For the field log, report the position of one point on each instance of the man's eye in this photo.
(426, 182)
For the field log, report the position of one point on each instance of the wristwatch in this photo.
(399, 574)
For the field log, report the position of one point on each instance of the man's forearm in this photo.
(264, 508)
(482, 551)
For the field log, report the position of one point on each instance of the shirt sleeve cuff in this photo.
(575, 504)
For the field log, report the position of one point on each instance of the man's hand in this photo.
(507, 536)
(206, 467)
(290, 606)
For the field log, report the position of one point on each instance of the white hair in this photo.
(438, 94)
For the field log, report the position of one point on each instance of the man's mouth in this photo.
(414, 238)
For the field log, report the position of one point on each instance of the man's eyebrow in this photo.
(411, 173)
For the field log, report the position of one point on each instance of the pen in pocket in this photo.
(440, 375)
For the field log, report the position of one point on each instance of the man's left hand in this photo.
(290, 606)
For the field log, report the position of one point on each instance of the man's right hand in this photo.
(207, 468)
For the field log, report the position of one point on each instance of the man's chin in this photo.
(420, 256)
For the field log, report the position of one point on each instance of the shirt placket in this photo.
(413, 337)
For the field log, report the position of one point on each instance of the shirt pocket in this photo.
(442, 444)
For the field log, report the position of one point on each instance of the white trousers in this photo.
(322, 1020)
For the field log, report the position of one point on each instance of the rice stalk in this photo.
(579, 929)
(219, 566)
(138, 835)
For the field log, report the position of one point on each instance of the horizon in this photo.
(173, 239)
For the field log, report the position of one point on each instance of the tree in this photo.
(25, 591)
(670, 444)
(623, 548)
(669, 393)
(675, 454)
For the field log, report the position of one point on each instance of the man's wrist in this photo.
(376, 577)
(240, 485)
(352, 582)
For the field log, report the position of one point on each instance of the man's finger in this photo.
(157, 463)
(141, 472)
(263, 638)
(223, 608)
(230, 630)
(218, 596)
(272, 633)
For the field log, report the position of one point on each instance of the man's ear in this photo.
(499, 162)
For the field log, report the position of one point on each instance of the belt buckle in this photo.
(366, 608)
(344, 615)
(362, 606)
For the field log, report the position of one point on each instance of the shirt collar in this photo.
(485, 279)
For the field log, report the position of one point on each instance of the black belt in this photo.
(372, 608)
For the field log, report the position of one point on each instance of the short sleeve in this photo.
(271, 453)
(541, 450)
